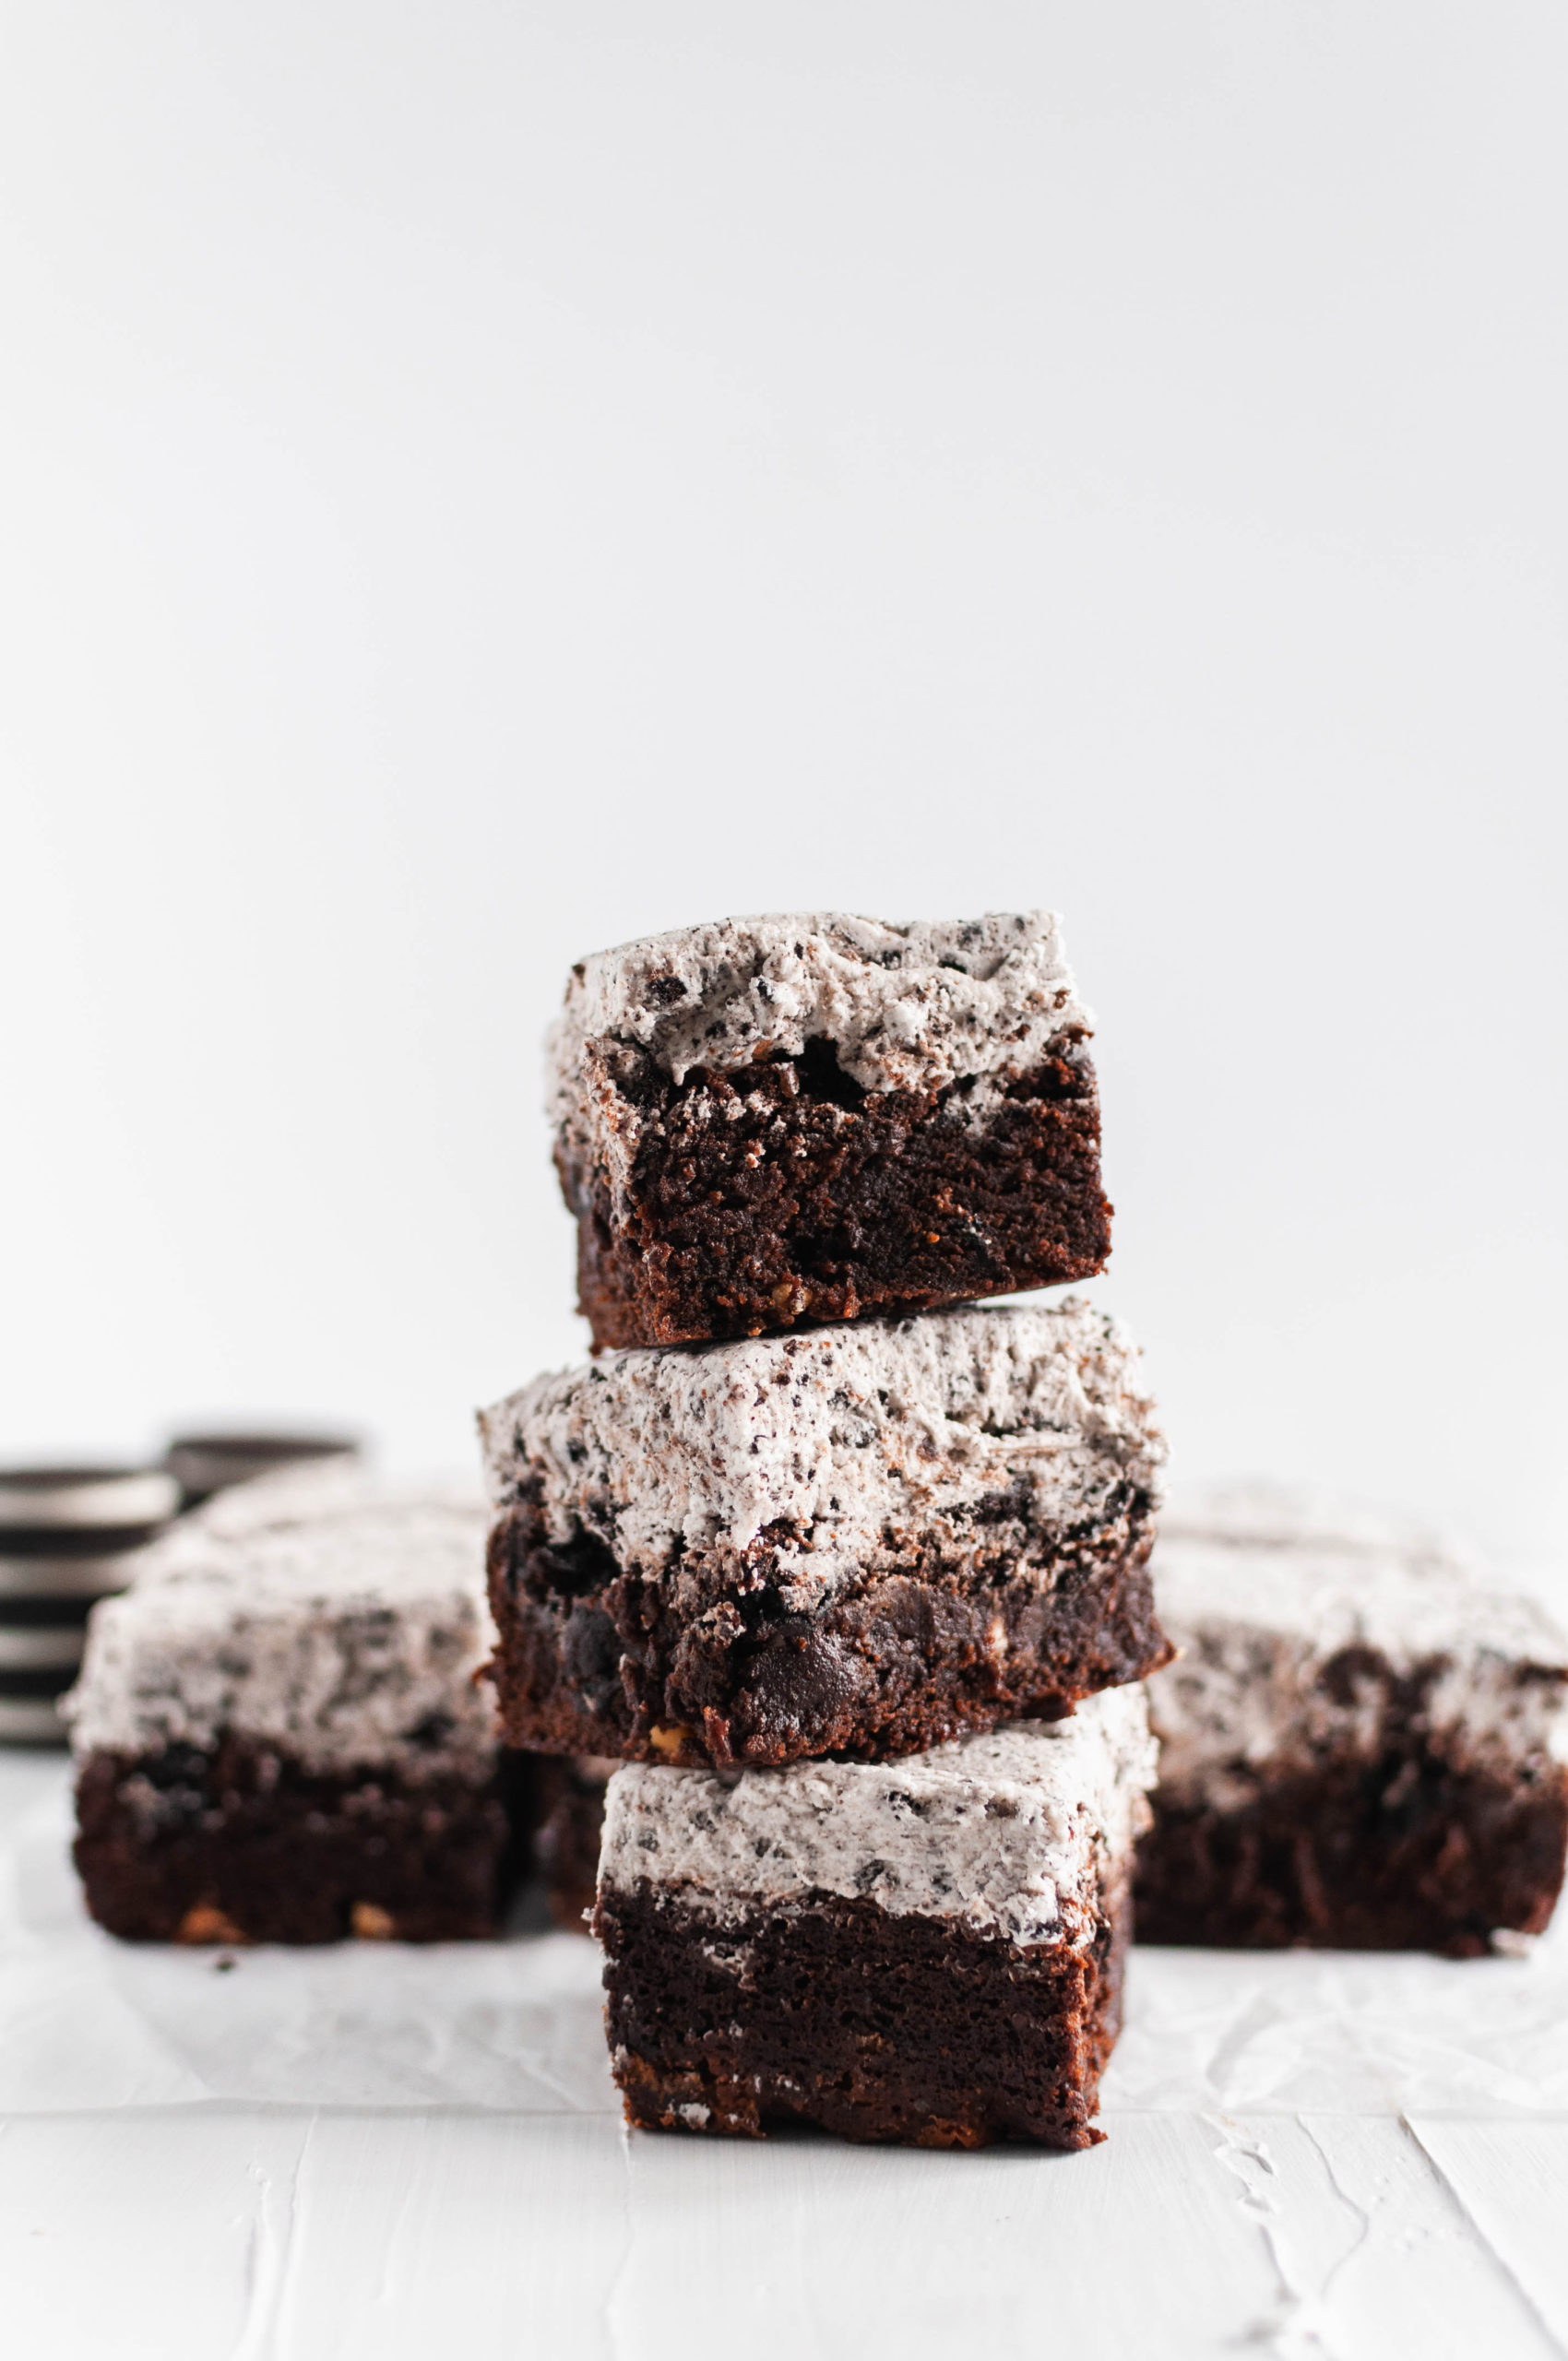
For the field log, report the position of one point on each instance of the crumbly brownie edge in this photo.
(242, 1845)
(869, 2024)
(594, 1661)
(786, 1194)
(1412, 1851)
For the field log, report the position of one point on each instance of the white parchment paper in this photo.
(87, 2023)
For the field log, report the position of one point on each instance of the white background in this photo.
(484, 480)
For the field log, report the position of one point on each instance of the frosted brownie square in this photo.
(927, 1951)
(278, 1730)
(777, 1120)
(854, 1540)
(1362, 1743)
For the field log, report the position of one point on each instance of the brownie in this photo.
(570, 1791)
(860, 1540)
(278, 1730)
(238, 1842)
(927, 1951)
(781, 1119)
(1361, 1742)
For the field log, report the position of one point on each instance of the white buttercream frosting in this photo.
(1016, 1833)
(1263, 1589)
(312, 1611)
(906, 1006)
(834, 1437)
(972, 1002)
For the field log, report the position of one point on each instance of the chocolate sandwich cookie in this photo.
(69, 1536)
(78, 1567)
(205, 1463)
(30, 1720)
(42, 1647)
(39, 1660)
(36, 1500)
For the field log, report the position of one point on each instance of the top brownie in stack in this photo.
(777, 1120)
(861, 1540)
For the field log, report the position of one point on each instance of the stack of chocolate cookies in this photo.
(68, 1536)
(847, 1572)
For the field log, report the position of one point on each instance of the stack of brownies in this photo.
(821, 1600)
(848, 1575)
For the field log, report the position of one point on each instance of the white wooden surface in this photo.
(379, 2152)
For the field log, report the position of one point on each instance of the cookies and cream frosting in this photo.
(312, 1611)
(967, 1002)
(828, 1437)
(1015, 1833)
(1294, 1612)
(906, 1006)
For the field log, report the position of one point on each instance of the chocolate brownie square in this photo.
(927, 1951)
(856, 1540)
(1362, 1743)
(278, 1730)
(782, 1120)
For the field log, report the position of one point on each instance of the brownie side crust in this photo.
(871, 2026)
(1408, 1852)
(709, 1664)
(242, 1845)
(786, 1191)
(571, 1823)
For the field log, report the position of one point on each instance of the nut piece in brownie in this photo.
(570, 1803)
(776, 1120)
(858, 1540)
(278, 1733)
(927, 1951)
(1362, 1743)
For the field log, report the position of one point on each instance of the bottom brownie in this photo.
(927, 1951)
(244, 1845)
(1404, 1853)
(871, 2026)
